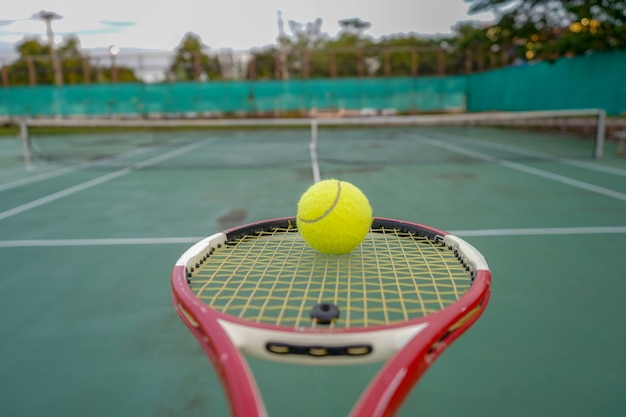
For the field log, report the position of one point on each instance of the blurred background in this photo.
(494, 34)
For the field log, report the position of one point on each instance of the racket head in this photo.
(409, 338)
(264, 297)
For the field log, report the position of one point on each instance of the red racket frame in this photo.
(384, 394)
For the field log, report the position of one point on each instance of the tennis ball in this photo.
(333, 216)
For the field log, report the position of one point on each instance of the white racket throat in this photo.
(318, 348)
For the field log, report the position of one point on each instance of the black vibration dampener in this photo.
(325, 313)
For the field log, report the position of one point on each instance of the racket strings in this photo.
(275, 277)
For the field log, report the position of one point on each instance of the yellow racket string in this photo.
(274, 277)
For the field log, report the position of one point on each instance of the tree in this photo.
(303, 46)
(191, 63)
(74, 64)
(354, 26)
(303, 50)
(597, 25)
(307, 36)
(349, 52)
(406, 55)
(473, 48)
(551, 28)
(262, 65)
(33, 64)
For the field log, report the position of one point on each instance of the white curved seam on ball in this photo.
(330, 209)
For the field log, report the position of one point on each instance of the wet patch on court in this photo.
(232, 218)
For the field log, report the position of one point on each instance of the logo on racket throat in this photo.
(318, 350)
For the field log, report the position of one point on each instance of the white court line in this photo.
(63, 193)
(529, 170)
(548, 231)
(547, 157)
(96, 181)
(34, 243)
(37, 178)
(51, 174)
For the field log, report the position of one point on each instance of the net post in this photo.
(600, 135)
(313, 148)
(25, 144)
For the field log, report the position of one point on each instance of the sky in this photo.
(224, 24)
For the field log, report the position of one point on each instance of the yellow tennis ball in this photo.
(334, 216)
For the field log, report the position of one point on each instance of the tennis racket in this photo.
(403, 296)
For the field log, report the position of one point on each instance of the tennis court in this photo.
(89, 236)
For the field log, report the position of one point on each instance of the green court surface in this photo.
(87, 243)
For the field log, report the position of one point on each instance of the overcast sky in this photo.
(236, 24)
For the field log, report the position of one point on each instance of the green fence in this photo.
(592, 81)
(595, 80)
(402, 94)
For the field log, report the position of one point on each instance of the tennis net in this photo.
(249, 142)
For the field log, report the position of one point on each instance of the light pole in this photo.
(282, 40)
(114, 50)
(48, 17)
